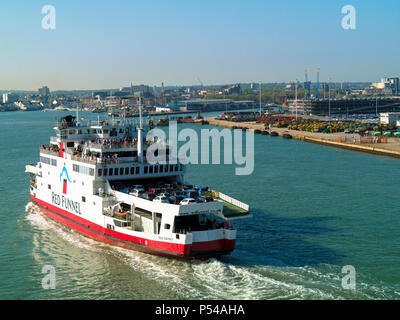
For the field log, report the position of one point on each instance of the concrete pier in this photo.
(390, 149)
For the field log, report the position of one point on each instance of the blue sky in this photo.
(108, 44)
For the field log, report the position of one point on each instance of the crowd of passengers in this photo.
(118, 142)
(113, 142)
(52, 148)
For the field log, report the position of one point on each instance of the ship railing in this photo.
(233, 201)
(105, 146)
(47, 150)
(116, 160)
(78, 156)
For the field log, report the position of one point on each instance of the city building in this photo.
(327, 106)
(213, 104)
(389, 117)
(5, 97)
(235, 89)
(44, 91)
(163, 109)
(290, 86)
(387, 86)
(142, 90)
(9, 97)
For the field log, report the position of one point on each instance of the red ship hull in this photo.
(196, 250)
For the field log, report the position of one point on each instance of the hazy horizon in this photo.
(111, 44)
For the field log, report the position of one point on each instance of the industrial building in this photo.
(388, 86)
(325, 107)
(44, 91)
(212, 104)
(390, 117)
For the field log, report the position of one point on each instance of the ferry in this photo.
(94, 178)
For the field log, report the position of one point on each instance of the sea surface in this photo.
(315, 210)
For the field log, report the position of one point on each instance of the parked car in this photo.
(161, 199)
(175, 199)
(138, 187)
(154, 190)
(148, 196)
(191, 193)
(136, 192)
(178, 193)
(164, 194)
(187, 201)
(203, 189)
(200, 199)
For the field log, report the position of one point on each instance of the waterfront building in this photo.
(163, 109)
(44, 91)
(387, 86)
(321, 107)
(389, 117)
(5, 97)
(214, 104)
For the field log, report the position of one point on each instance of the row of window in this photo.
(136, 170)
(113, 131)
(48, 161)
(82, 169)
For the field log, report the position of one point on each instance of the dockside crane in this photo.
(307, 85)
(317, 84)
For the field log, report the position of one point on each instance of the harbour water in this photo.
(315, 209)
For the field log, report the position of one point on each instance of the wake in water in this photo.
(215, 279)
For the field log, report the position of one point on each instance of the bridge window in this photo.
(146, 168)
(105, 172)
(115, 171)
(126, 171)
(110, 172)
(99, 172)
(132, 170)
(121, 171)
(137, 170)
(151, 169)
(155, 169)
